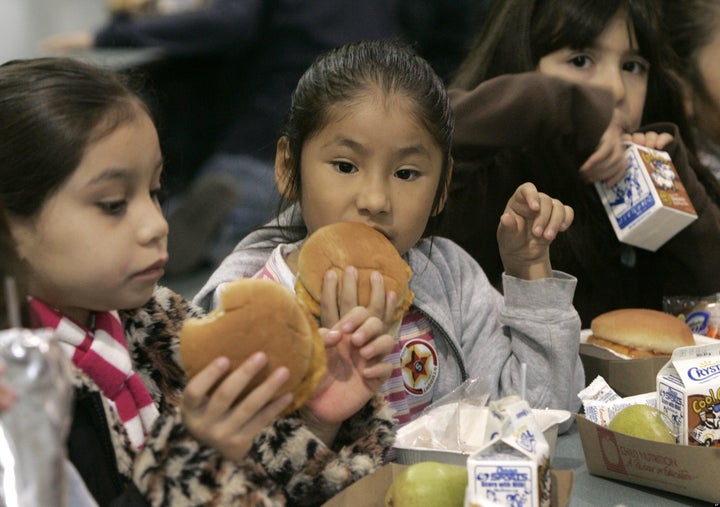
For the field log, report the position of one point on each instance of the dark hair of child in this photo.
(43, 139)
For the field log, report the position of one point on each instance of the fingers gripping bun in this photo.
(640, 332)
(343, 244)
(258, 315)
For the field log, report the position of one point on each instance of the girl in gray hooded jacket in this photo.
(367, 139)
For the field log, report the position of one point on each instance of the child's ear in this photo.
(446, 188)
(23, 232)
(284, 169)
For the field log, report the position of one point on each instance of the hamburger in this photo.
(337, 246)
(258, 315)
(637, 332)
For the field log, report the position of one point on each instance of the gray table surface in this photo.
(592, 491)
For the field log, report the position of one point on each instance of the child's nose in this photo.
(373, 199)
(613, 80)
(154, 227)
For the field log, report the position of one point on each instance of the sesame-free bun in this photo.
(343, 244)
(638, 332)
(258, 315)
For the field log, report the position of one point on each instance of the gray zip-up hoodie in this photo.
(478, 332)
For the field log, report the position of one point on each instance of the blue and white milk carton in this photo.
(513, 467)
(650, 204)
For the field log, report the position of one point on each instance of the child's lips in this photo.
(156, 269)
(383, 232)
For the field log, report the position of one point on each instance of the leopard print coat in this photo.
(287, 465)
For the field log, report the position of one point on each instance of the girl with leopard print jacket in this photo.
(287, 463)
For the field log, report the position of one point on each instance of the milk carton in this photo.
(650, 204)
(513, 467)
(688, 389)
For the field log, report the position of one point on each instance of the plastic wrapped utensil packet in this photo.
(464, 427)
(601, 403)
(33, 432)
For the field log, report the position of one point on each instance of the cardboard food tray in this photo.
(627, 377)
(370, 491)
(683, 469)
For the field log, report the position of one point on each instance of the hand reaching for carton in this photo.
(608, 162)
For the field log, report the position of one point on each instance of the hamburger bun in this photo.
(637, 332)
(259, 315)
(336, 246)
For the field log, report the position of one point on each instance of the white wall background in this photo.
(24, 23)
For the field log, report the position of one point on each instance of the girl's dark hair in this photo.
(518, 33)
(50, 110)
(10, 266)
(690, 25)
(342, 75)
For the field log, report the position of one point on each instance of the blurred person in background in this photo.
(693, 29)
(224, 84)
(549, 93)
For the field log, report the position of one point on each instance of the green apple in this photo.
(643, 421)
(428, 483)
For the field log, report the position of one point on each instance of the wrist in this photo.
(323, 430)
(533, 271)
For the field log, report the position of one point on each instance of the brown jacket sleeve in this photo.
(530, 108)
(509, 130)
(689, 259)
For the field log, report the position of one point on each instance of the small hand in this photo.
(214, 415)
(356, 348)
(531, 222)
(608, 162)
(68, 42)
(338, 299)
(651, 140)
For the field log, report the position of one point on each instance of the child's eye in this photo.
(113, 207)
(580, 61)
(345, 167)
(636, 66)
(407, 174)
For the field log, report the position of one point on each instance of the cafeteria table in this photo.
(593, 491)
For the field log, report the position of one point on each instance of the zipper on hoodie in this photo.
(453, 347)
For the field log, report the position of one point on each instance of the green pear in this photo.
(428, 483)
(643, 421)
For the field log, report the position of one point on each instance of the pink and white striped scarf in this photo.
(101, 352)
